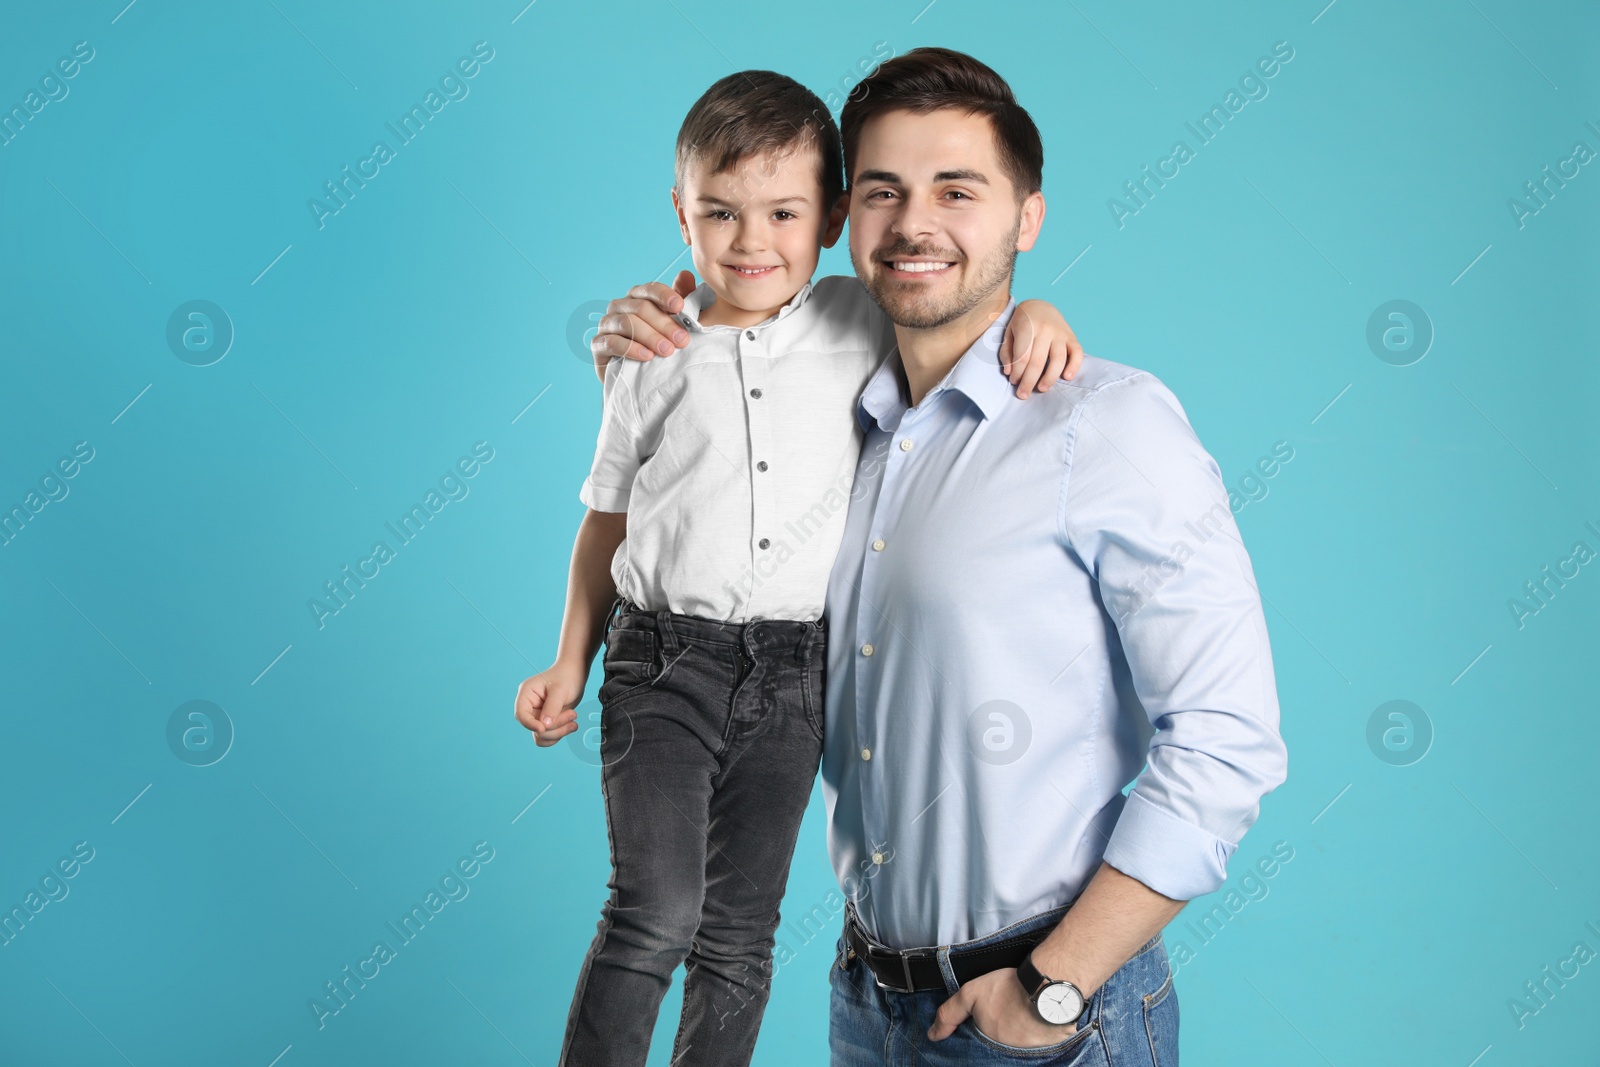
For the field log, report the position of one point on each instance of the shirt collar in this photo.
(976, 375)
(703, 297)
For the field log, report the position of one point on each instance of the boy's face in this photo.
(757, 229)
(935, 224)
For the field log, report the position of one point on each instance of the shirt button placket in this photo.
(754, 368)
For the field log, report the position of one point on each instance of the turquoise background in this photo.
(444, 305)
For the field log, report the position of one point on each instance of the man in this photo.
(1003, 659)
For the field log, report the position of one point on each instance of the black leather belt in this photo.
(916, 970)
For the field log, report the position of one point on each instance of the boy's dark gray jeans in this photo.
(711, 734)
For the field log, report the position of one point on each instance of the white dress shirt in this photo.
(734, 457)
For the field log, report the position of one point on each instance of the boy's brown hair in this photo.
(757, 111)
(928, 79)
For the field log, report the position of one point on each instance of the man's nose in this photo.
(915, 220)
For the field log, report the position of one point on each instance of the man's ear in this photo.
(836, 221)
(1032, 219)
(683, 223)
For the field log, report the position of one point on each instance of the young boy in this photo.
(717, 501)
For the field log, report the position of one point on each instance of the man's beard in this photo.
(913, 310)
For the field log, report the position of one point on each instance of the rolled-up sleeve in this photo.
(620, 449)
(1145, 510)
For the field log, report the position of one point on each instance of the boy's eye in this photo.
(784, 215)
(720, 215)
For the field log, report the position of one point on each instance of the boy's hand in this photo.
(1039, 347)
(546, 701)
(640, 325)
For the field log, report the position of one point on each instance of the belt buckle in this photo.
(905, 964)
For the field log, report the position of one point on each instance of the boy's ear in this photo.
(683, 223)
(836, 221)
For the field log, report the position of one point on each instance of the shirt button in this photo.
(756, 393)
(877, 857)
(764, 543)
(761, 466)
(905, 445)
(877, 546)
(866, 753)
(750, 335)
(866, 649)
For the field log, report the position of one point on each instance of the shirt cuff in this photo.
(602, 499)
(1175, 858)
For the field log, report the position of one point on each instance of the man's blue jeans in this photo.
(1132, 1022)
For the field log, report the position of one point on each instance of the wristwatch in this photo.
(1056, 1001)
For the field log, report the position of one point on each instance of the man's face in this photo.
(757, 229)
(935, 225)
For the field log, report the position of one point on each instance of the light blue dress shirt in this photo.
(1033, 600)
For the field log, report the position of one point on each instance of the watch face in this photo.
(1060, 1003)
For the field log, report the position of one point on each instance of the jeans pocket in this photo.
(1161, 1023)
(814, 693)
(632, 664)
(1075, 1041)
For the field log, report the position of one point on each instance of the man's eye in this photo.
(880, 192)
(958, 192)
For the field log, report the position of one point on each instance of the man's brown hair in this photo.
(930, 79)
(757, 111)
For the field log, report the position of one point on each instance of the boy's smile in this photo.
(756, 230)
